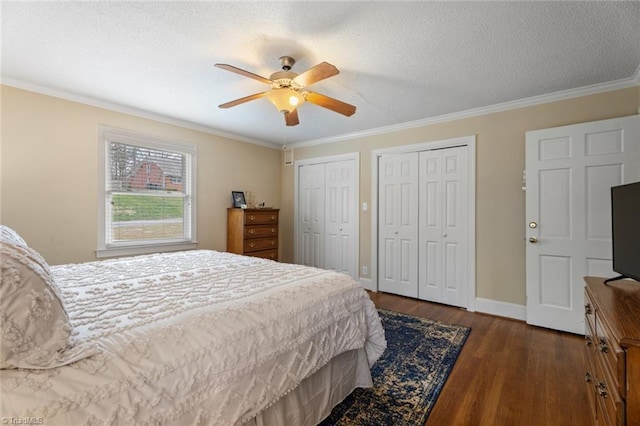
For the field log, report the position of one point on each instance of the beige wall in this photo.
(49, 177)
(54, 205)
(500, 159)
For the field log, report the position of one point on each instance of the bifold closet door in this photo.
(327, 208)
(311, 215)
(398, 224)
(443, 234)
(340, 217)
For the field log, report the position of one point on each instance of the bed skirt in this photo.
(315, 397)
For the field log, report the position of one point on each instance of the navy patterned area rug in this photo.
(409, 376)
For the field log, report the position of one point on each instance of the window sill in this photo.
(135, 250)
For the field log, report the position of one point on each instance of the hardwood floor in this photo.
(508, 373)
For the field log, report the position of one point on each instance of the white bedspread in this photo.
(198, 337)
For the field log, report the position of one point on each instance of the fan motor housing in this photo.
(282, 79)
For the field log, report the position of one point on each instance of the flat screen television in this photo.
(625, 225)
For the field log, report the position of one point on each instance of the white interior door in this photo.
(311, 215)
(570, 171)
(398, 224)
(340, 217)
(443, 234)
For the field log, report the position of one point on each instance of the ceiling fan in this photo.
(289, 90)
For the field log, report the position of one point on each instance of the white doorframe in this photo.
(470, 142)
(322, 160)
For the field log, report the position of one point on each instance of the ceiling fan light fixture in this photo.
(285, 99)
(289, 90)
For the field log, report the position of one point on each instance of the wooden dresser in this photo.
(253, 232)
(612, 335)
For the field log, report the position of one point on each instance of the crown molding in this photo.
(116, 107)
(475, 112)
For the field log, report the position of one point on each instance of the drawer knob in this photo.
(252, 217)
(587, 309)
(587, 377)
(588, 341)
(273, 230)
(252, 245)
(602, 390)
(602, 346)
(273, 217)
(273, 243)
(252, 231)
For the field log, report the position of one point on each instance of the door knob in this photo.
(533, 240)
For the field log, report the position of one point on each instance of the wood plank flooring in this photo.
(508, 373)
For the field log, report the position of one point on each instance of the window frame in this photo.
(109, 134)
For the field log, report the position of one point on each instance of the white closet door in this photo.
(570, 171)
(398, 224)
(311, 215)
(443, 234)
(340, 217)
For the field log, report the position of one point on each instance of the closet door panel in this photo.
(430, 225)
(340, 218)
(311, 215)
(398, 224)
(442, 226)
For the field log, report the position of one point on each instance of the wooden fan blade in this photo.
(314, 74)
(330, 103)
(243, 72)
(291, 118)
(243, 100)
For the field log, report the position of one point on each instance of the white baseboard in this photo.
(501, 309)
(367, 283)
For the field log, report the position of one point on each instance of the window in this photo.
(147, 188)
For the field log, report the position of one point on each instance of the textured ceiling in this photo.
(399, 61)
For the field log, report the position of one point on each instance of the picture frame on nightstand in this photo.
(239, 201)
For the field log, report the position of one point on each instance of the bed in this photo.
(196, 337)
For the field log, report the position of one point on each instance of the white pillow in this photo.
(9, 235)
(34, 325)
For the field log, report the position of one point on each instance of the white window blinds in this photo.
(148, 193)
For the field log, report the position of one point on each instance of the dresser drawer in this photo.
(260, 244)
(589, 313)
(613, 357)
(257, 217)
(265, 254)
(610, 405)
(591, 382)
(590, 375)
(259, 231)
